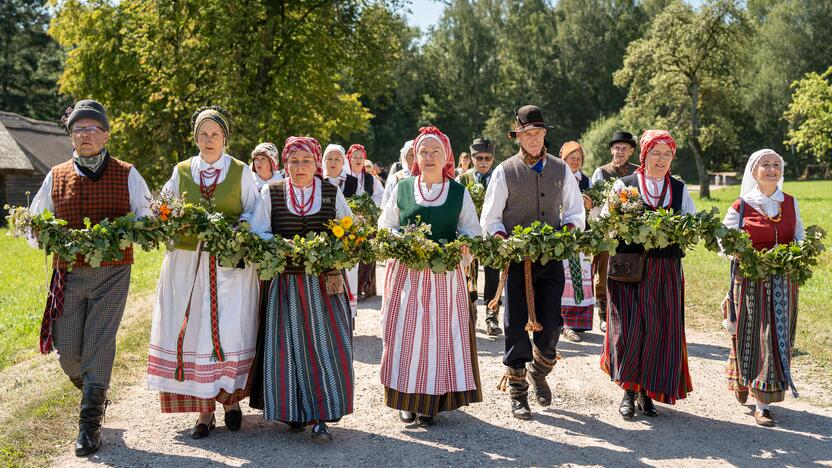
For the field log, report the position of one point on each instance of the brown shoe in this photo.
(763, 418)
(571, 335)
(742, 395)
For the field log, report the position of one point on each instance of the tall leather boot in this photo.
(492, 321)
(93, 404)
(538, 369)
(518, 391)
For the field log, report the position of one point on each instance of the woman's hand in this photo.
(587, 202)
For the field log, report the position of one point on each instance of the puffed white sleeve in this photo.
(248, 195)
(597, 177)
(40, 203)
(389, 218)
(688, 206)
(468, 223)
(342, 208)
(496, 195)
(172, 185)
(799, 230)
(378, 191)
(392, 182)
(139, 194)
(573, 212)
(261, 219)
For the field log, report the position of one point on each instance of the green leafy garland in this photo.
(349, 242)
(477, 192)
(364, 208)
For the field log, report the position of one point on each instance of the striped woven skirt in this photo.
(761, 351)
(645, 345)
(429, 360)
(578, 299)
(305, 370)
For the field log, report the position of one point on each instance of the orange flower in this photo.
(165, 212)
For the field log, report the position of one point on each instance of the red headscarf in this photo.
(352, 150)
(307, 144)
(433, 132)
(651, 138)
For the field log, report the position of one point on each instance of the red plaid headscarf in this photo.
(433, 132)
(307, 144)
(352, 150)
(651, 138)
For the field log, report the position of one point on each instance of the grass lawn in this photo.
(706, 274)
(24, 277)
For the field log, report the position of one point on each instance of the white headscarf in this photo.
(408, 145)
(749, 183)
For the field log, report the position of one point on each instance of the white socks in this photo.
(761, 406)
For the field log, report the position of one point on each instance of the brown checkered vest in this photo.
(532, 196)
(76, 197)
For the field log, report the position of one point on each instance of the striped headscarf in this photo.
(434, 133)
(354, 148)
(269, 150)
(651, 138)
(307, 144)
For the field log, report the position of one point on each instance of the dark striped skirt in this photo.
(305, 363)
(645, 345)
(761, 351)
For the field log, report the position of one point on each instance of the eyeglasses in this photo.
(86, 130)
(663, 157)
(483, 158)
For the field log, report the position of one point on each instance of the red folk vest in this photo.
(765, 233)
(76, 197)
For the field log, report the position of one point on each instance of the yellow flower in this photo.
(352, 236)
(338, 231)
(346, 222)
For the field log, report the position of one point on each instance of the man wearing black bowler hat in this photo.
(531, 186)
(622, 146)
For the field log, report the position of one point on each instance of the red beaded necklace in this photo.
(208, 181)
(441, 191)
(660, 197)
(305, 206)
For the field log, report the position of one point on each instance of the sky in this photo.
(425, 13)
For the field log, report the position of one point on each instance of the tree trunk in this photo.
(693, 142)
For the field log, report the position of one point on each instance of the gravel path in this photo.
(582, 427)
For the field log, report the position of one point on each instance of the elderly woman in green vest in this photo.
(204, 328)
(429, 361)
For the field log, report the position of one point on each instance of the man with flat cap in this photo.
(85, 305)
(622, 146)
(482, 154)
(531, 186)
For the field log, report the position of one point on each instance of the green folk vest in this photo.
(443, 219)
(227, 197)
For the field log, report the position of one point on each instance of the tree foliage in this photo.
(30, 60)
(279, 68)
(681, 76)
(810, 115)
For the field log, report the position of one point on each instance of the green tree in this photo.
(682, 76)
(791, 38)
(280, 68)
(810, 115)
(30, 61)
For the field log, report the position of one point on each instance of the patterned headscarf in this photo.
(435, 133)
(651, 138)
(307, 144)
(268, 149)
(354, 148)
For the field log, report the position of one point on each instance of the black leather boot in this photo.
(645, 404)
(628, 405)
(538, 369)
(93, 404)
(518, 391)
(492, 322)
